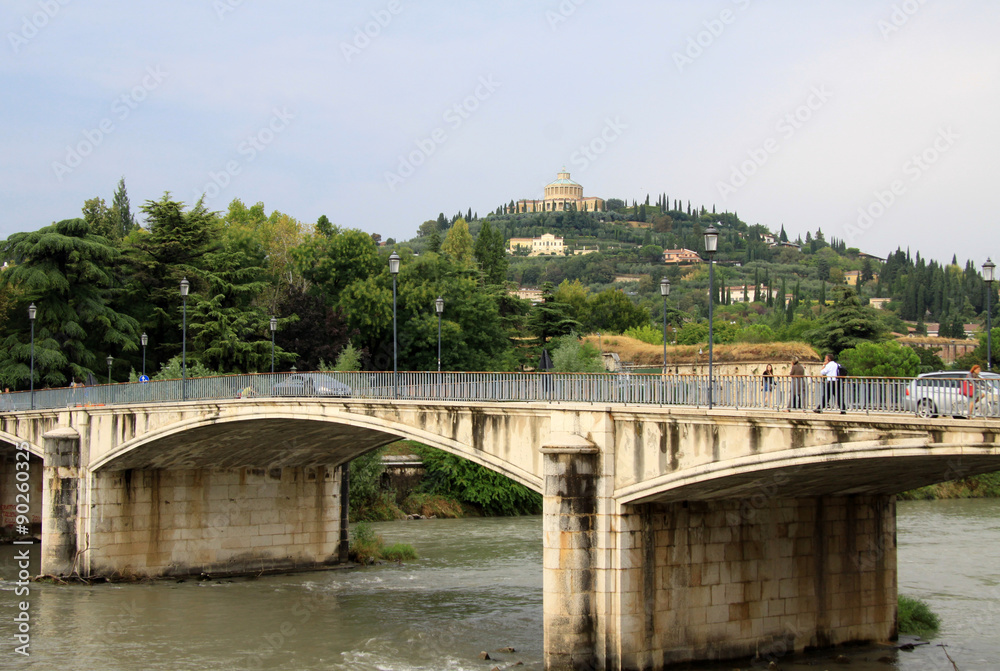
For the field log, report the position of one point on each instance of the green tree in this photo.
(122, 220)
(98, 217)
(846, 325)
(550, 318)
(491, 254)
(173, 248)
(576, 297)
(611, 311)
(473, 331)
(570, 355)
(458, 243)
(490, 492)
(929, 359)
(324, 227)
(332, 264)
(228, 325)
(349, 359)
(172, 369)
(68, 273)
(880, 359)
(978, 355)
(315, 331)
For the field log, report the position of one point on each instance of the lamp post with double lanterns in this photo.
(439, 309)
(664, 291)
(32, 313)
(394, 271)
(989, 268)
(185, 287)
(274, 327)
(711, 246)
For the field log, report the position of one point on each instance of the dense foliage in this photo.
(489, 492)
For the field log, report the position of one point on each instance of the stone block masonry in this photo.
(247, 520)
(718, 583)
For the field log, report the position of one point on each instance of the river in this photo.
(477, 586)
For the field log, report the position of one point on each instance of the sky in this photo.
(874, 121)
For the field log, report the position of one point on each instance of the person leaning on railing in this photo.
(798, 374)
(972, 388)
(768, 384)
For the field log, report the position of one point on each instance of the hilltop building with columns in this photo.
(561, 195)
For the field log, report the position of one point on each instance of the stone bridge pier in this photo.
(187, 520)
(643, 585)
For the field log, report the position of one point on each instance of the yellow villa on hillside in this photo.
(547, 245)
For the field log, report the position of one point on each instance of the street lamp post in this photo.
(988, 274)
(439, 308)
(664, 291)
(185, 286)
(144, 339)
(394, 271)
(711, 246)
(32, 313)
(110, 361)
(274, 327)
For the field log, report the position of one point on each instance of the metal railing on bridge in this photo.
(921, 396)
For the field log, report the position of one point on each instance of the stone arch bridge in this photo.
(670, 533)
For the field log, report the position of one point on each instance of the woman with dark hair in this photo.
(768, 377)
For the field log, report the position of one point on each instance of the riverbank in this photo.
(985, 486)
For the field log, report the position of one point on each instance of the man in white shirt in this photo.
(831, 384)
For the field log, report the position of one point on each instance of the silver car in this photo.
(941, 393)
(311, 384)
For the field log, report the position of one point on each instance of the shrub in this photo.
(366, 545)
(382, 508)
(756, 333)
(432, 505)
(569, 355)
(366, 482)
(646, 333)
(398, 552)
(889, 359)
(915, 618)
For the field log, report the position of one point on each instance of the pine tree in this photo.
(121, 212)
(70, 274)
(491, 255)
(324, 227)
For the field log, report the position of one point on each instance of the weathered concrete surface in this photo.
(31, 475)
(706, 580)
(62, 531)
(178, 522)
(670, 533)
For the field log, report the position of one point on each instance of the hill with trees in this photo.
(102, 279)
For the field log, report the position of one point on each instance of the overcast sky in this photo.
(876, 121)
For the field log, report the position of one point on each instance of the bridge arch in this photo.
(290, 437)
(14, 441)
(862, 467)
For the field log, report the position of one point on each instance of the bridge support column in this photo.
(160, 522)
(577, 490)
(722, 579)
(61, 501)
